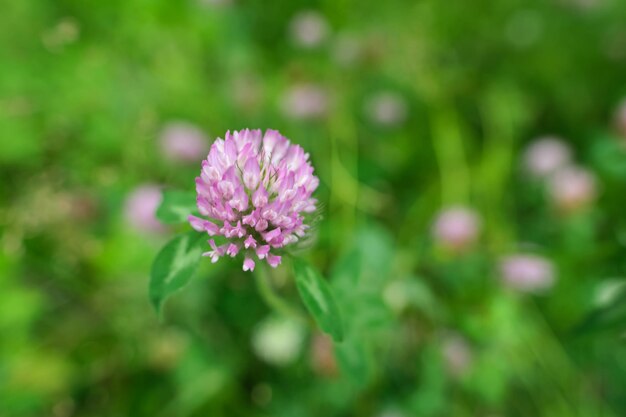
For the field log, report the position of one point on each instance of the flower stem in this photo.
(271, 298)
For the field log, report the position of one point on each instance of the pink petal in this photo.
(273, 260)
(262, 251)
(248, 264)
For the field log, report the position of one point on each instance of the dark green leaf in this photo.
(318, 299)
(174, 266)
(176, 206)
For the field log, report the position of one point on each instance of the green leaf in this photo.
(174, 266)
(610, 311)
(318, 299)
(176, 206)
(609, 156)
(353, 359)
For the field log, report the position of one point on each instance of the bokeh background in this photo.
(472, 158)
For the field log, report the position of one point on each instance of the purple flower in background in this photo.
(183, 142)
(387, 109)
(456, 227)
(309, 29)
(305, 102)
(140, 209)
(255, 189)
(572, 188)
(546, 155)
(527, 273)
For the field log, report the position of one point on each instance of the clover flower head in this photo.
(305, 102)
(309, 29)
(254, 190)
(546, 155)
(456, 227)
(183, 142)
(140, 209)
(527, 273)
(387, 108)
(573, 188)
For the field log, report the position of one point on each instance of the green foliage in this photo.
(609, 312)
(318, 299)
(174, 266)
(176, 206)
(87, 89)
(359, 280)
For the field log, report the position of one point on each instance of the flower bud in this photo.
(183, 142)
(140, 209)
(387, 109)
(572, 188)
(527, 273)
(546, 155)
(309, 29)
(456, 228)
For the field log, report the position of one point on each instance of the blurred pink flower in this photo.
(140, 209)
(305, 101)
(456, 227)
(546, 155)
(183, 142)
(572, 188)
(256, 189)
(309, 29)
(527, 273)
(387, 108)
(457, 354)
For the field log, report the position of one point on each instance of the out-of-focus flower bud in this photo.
(183, 142)
(527, 273)
(572, 189)
(456, 228)
(309, 29)
(140, 209)
(386, 109)
(305, 102)
(546, 155)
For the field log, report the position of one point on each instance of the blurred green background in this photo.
(407, 108)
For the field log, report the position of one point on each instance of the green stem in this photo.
(448, 146)
(271, 298)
